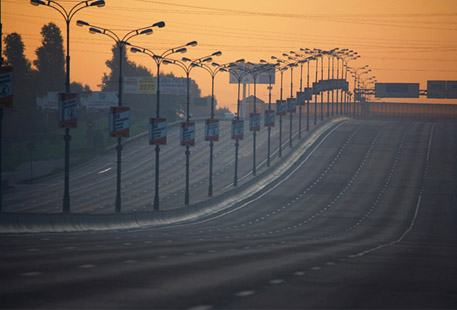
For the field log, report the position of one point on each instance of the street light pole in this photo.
(67, 15)
(158, 59)
(120, 43)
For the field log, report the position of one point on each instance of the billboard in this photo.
(6, 87)
(98, 100)
(68, 110)
(436, 89)
(187, 133)
(173, 86)
(237, 129)
(212, 130)
(139, 85)
(451, 89)
(158, 131)
(397, 90)
(119, 124)
(263, 77)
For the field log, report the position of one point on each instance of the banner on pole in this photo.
(281, 107)
(187, 133)
(68, 110)
(292, 105)
(212, 130)
(254, 121)
(269, 118)
(237, 129)
(6, 87)
(157, 131)
(119, 125)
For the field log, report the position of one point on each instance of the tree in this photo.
(50, 61)
(129, 68)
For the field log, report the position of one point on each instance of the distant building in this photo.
(248, 106)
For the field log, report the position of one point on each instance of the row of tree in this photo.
(46, 73)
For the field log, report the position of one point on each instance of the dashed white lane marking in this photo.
(86, 266)
(162, 257)
(315, 268)
(276, 281)
(130, 261)
(299, 273)
(201, 307)
(245, 293)
(31, 274)
(33, 250)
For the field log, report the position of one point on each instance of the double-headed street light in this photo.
(187, 65)
(270, 69)
(213, 70)
(158, 59)
(120, 43)
(67, 15)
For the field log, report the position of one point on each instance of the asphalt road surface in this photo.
(367, 218)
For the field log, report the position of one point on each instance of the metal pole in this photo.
(291, 96)
(322, 93)
(328, 92)
(1, 117)
(300, 106)
(315, 96)
(235, 177)
(280, 121)
(254, 132)
(307, 101)
(157, 149)
(187, 194)
(269, 127)
(211, 143)
(119, 145)
(67, 137)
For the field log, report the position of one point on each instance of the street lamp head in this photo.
(240, 61)
(159, 24)
(81, 23)
(166, 62)
(135, 50)
(207, 59)
(218, 53)
(285, 55)
(215, 64)
(99, 3)
(94, 30)
(37, 2)
(181, 50)
(146, 31)
(192, 43)
(274, 57)
(185, 59)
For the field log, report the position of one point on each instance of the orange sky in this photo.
(401, 40)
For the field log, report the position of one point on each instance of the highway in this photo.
(366, 218)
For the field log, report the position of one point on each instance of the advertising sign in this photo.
(157, 131)
(269, 118)
(6, 87)
(139, 85)
(254, 121)
(397, 90)
(237, 129)
(187, 133)
(68, 110)
(212, 130)
(281, 107)
(301, 98)
(99, 100)
(451, 89)
(436, 89)
(173, 86)
(119, 123)
(292, 105)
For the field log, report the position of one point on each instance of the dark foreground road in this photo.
(367, 218)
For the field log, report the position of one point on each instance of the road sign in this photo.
(269, 118)
(291, 105)
(254, 121)
(397, 90)
(436, 89)
(6, 87)
(237, 129)
(119, 124)
(212, 130)
(187, 133)
(68, 110)
(281, 107)
(158, 131)
(451, 89)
